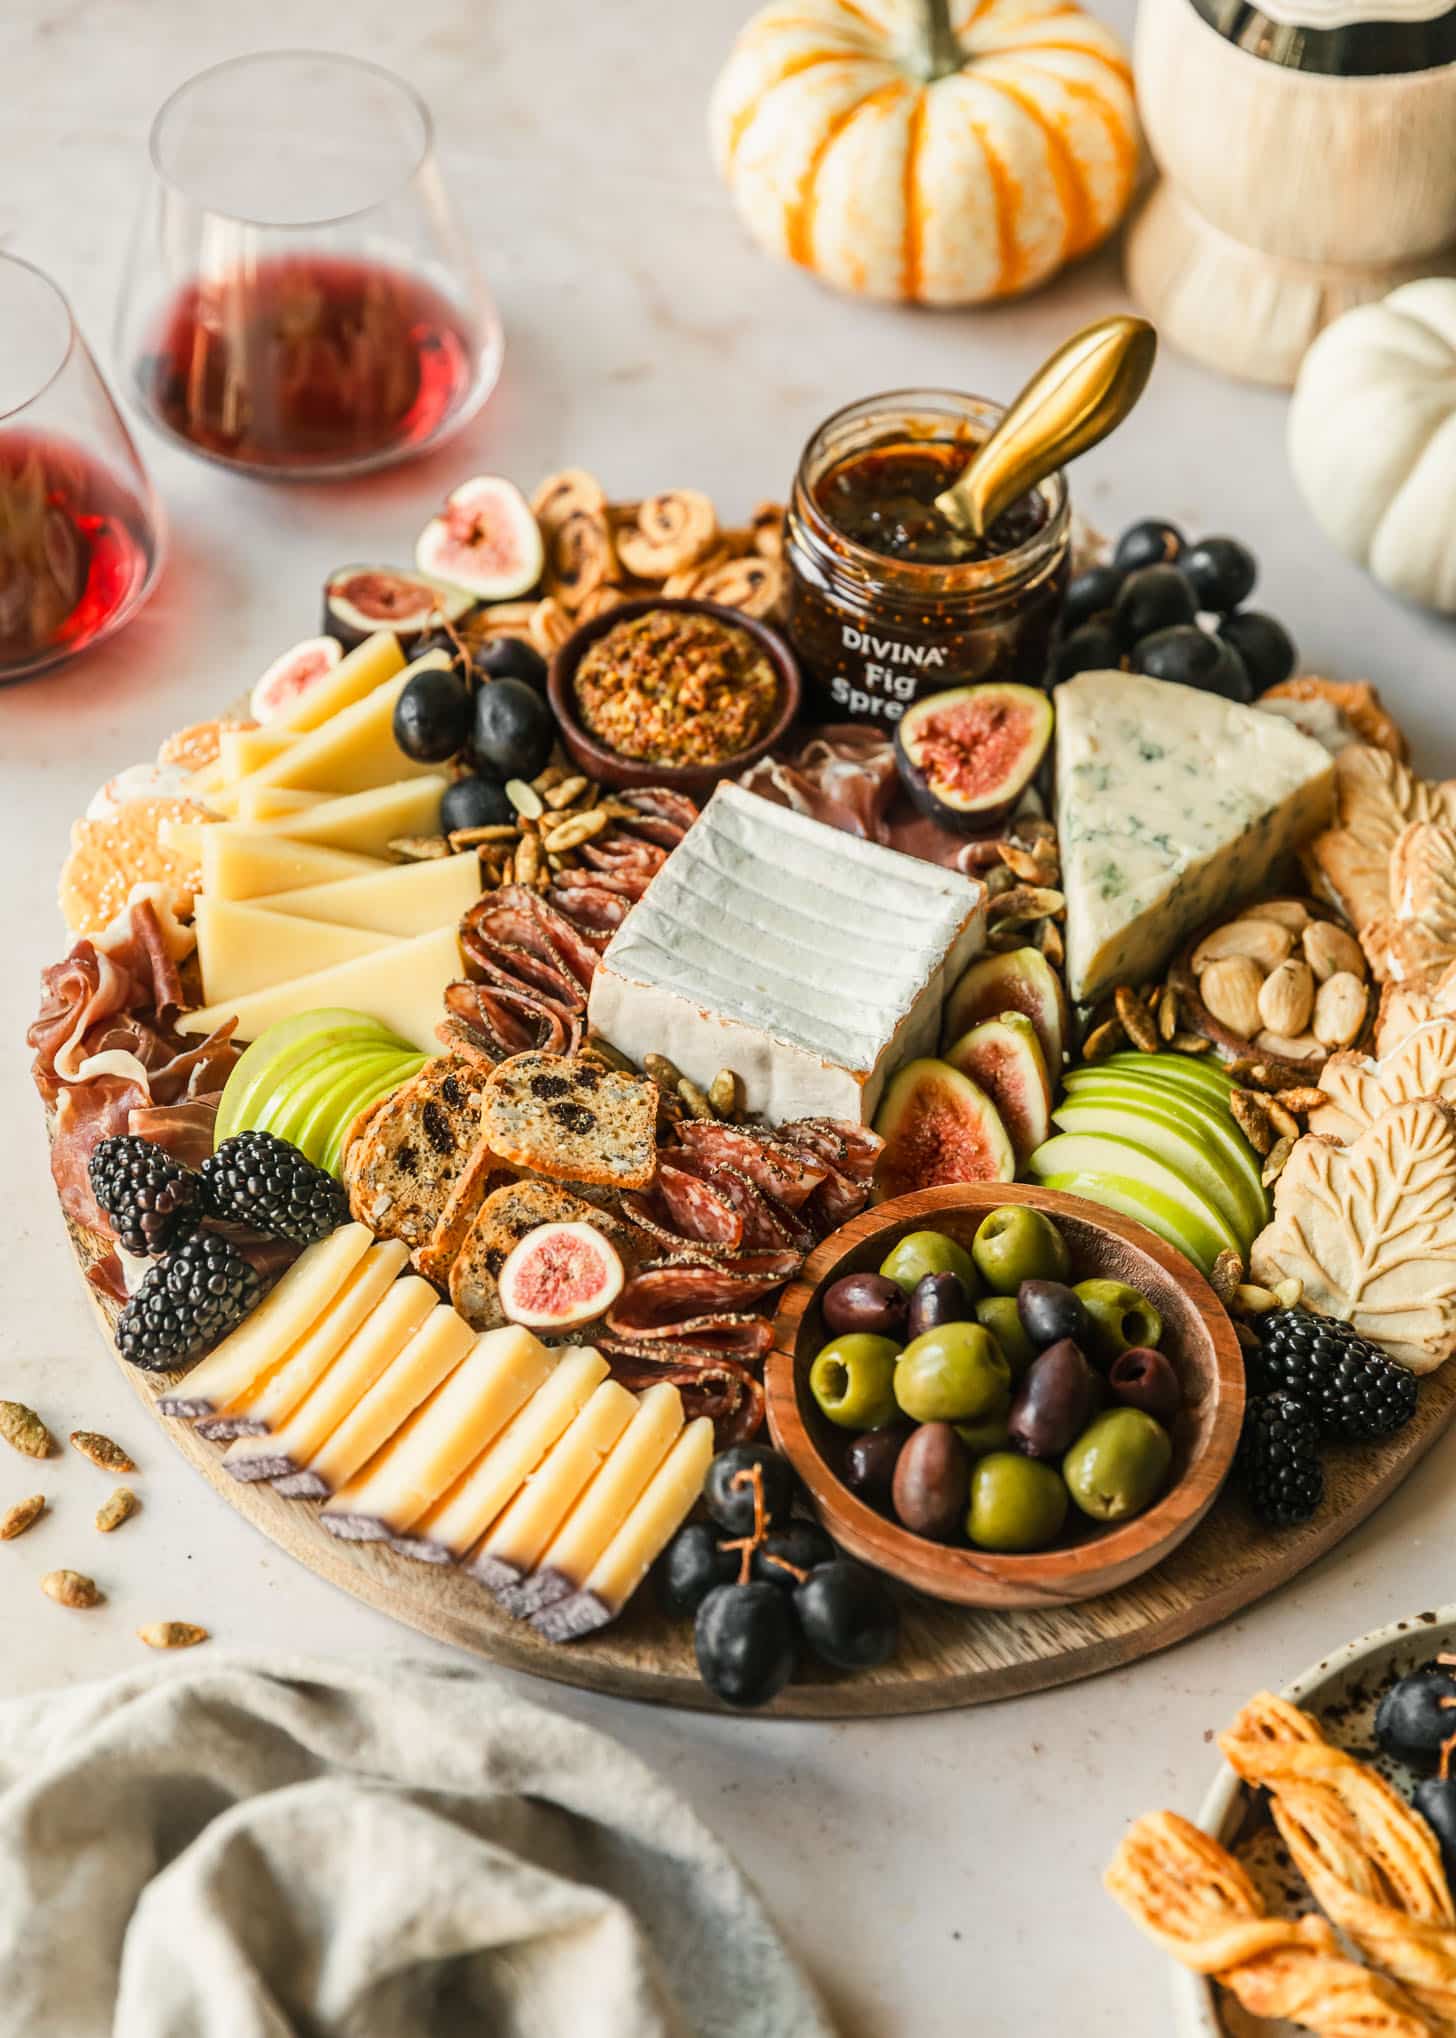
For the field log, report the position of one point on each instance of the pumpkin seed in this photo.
(999, 881)
(576, 829)
(24, 1431)
(1137, 1020)
(21, 1517)
(612, 1056)
(525, 799)
(695, 1099)
(1274, 1166)
(1167, 1012)
(1103, 1039)
(1226, 1274)
(549, 777)
(666, 1074)
(122, 1505)
(725, 1093)
(1028, 902)
(566, 794)
(527, 862)
(101, 1451)
(1253, 1300)
(1283, 1122)
(1037, 866)
(71, 1588)
(420, 848)
(1302, 1101)
(1053, 947)
(1250, 1113)
(1190, 1043)
(172, 1634)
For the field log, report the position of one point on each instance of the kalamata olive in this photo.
(1053, 1403)
(1050, 1311)
(869, 1463)
(932, 1482)
(937, 1299)
(1143, 1378)
(1416, 1716)
(865, 1302)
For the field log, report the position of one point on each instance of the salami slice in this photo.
(595, 910)
(743, 1334)
(679, 1292)
(502, 1022)
(662, 803)
(595, 880)
(709, 1384)
(853, 1149)
(698, 1207)
(519, 918)
(647, 1211)
(520, 969)
(837, 1198)
(787, 1173)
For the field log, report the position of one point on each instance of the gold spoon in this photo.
(1075, 399)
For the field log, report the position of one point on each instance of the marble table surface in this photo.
(939, 1874)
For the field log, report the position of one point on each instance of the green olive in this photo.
(853, 1380)
(989, 1432)
(1002, 1318)
(1017, 1243)
(929, 1252)
(955, 1373)
(1016, 1504)
(1118, 1464)
(1118, 1317)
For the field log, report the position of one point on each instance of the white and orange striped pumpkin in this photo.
(931, 151)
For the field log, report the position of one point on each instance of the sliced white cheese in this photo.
(292, 1306)
(514, 1546)
(367, 822)
(1172, 805)
(242, 863)
(431, 1355)
(809, 961)
(355, 749)
(241, 751)
(270, 1398)
(374, 1346)
(408, 898)
(565, 1565)
(461, 1417)
(243, 947)
(268, 802)
(401, 985)
(664, 1507)
(462, 1515)
(357, 674)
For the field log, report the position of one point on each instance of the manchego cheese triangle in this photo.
(401, 985)
(350, 753)
(243, 863)
(407, 898)
(366, 822)
(243, 948)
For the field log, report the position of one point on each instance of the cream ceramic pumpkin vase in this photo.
(929, 151)
(1372, 438)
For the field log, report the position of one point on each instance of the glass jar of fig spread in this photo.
(888, 601)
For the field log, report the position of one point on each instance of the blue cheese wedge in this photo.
(1172, 805)
(810, 962)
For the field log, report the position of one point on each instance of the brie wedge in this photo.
(809, 961)
(1172, 805)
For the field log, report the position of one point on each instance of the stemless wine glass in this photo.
(80, 531)
(299, 301)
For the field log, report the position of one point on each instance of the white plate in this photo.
(1342, 1691)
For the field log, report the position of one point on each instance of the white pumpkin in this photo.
(1372, 438)
(932, 151)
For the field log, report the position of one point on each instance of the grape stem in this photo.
(751, 1475)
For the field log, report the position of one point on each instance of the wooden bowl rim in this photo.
(1058, 1574)
(614, 769)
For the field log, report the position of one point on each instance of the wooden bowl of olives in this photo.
(1003, 1395)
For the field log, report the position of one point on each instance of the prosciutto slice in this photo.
(844, 776)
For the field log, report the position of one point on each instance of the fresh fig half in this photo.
(1004, 1056)
(358, 600)
(485, 539)
(1020, 980)
(290, 677)
(966, 756)
(560, 1276)
(938, 1126)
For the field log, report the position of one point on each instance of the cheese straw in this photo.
(1373, 1864)
(1194, 1899)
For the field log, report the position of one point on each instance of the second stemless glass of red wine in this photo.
(300, 302)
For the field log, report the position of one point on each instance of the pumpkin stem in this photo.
(931, 48)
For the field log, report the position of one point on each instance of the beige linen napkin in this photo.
(291, 1849)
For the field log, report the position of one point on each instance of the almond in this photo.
(1286, 997)
(1230, 987)
(1289, 1047)
(1288, 913)
(1339, 1009)
(1262, 941)
(1328, 949)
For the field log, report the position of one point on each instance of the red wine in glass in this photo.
(76, 547)
(309, 361)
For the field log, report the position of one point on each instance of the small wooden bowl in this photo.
(1197, 1337)
(610, 767)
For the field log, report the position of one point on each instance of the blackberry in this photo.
(261, 1180)
(1352, 1389)
(1279, 1460)
(150, 1198)
(187, 1303)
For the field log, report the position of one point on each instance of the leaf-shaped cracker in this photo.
(1404, 1007)
(1420, 933)
(1370, 1229)
(1376, 799)
(1361, 1090)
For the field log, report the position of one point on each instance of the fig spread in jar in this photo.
(888, 601)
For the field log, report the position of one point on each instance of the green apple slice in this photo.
(333, 1104)
(1169, 1138)
(334, 1152)
(1207, 1121)
(316, 1079)
(1148, 1206)
(281, 1047)
(1187, 1070)
(1094, 1154)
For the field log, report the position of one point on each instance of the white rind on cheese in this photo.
(565, 1565)
(378, 1341)
(292, 1306)
(243, 947)
(275, 1393)
(461, 1417)
(809, 961)
(401, 985)
(518, 1538)
(1172, 805)
(664, 1507)
(408, 898)
(460, 1517)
